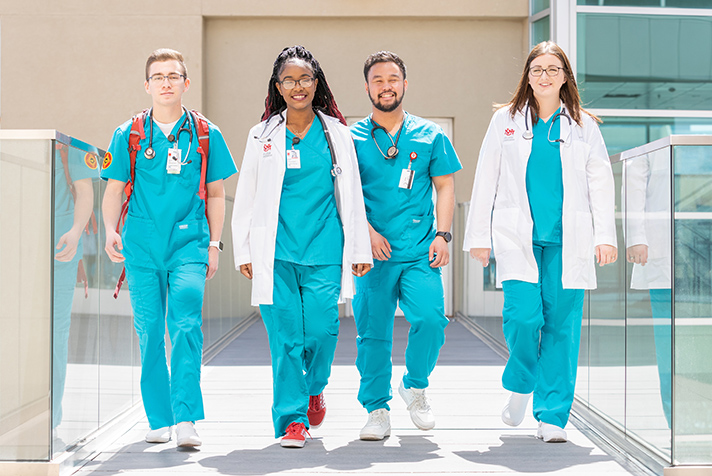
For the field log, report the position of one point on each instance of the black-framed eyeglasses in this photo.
(172, 78)
(292, 83)
(551, 71)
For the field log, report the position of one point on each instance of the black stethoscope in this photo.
(529, 135)
(392, 151)
(151, 152)
(335, 169)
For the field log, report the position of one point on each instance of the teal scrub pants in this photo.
(419, 289)
(65, 281)
(173, 298)
(661, 306)
(302, 327)
(542, 327)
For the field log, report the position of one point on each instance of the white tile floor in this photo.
(469, 437)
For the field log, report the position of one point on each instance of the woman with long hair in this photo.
(299, 231)
(543, 200)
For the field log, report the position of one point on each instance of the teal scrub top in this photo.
(404, 217)
(79, 165)
(309, 230)
(166, 224)
(545, 186)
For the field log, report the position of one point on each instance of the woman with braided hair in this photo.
(299, 232)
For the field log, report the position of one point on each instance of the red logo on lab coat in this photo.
(509, 132)
(267, 147)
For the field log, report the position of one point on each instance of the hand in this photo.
(637, 254)
(213, 258)
(114, 246)
(438, 253)
(70, 242)
(360, 269)
(246, 270)
(606, 254)
(482, 255)
(380, 248)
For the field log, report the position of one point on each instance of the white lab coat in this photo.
(256, 209)
(645, 199)
(500, 217)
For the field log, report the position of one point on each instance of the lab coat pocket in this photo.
(505, 230)
(584, 235)
(257, 249)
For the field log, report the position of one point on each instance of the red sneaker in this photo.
(295, 437)
(316, 411)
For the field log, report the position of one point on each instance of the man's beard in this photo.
(378, 105)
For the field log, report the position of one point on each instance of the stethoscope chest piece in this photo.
(149, 153)
(392, 152)
(528, 135)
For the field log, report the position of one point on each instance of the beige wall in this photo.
(77, 65)
(456, 68)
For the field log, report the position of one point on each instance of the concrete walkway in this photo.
(466, 397)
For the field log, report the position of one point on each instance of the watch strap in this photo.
(216, 244)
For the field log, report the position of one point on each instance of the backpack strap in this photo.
(136, 135)
(201, 124)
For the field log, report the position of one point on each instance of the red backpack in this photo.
(137, 134)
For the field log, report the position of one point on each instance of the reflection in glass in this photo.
(74, 219)
(646, 197)
(692, 412)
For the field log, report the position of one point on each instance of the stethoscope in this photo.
(392, 151)
(335, 169)
(151, 152)
(529, 135)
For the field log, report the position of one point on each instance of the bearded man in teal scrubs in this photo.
(401, 157)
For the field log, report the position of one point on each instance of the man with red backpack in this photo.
(171, 164)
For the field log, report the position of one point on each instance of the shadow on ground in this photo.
(527, 454)
(354, 456)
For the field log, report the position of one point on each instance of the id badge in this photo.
(174, 161)
(406, 179)
(293, 161)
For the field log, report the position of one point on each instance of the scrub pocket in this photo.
(188, 243)
(141, 243)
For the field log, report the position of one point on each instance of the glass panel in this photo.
(25, 293)
(75, 372)
(648, 3)
(623, 133)
(540, 30)
(645, 61)
(646, 198)
(539, 5)
(607, 333)
(692, 410)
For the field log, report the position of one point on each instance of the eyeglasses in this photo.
(291, 83)
(551, 71)
(172, 78)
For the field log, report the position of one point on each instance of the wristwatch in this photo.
(216, 244)
(447, 236)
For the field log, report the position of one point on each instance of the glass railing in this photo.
(646, 342)
(69, 360)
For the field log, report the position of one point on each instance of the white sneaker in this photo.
(515, 408)
(378, 425)
(186, 435)
(419, 407)
(551, 433)
(161, 435)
